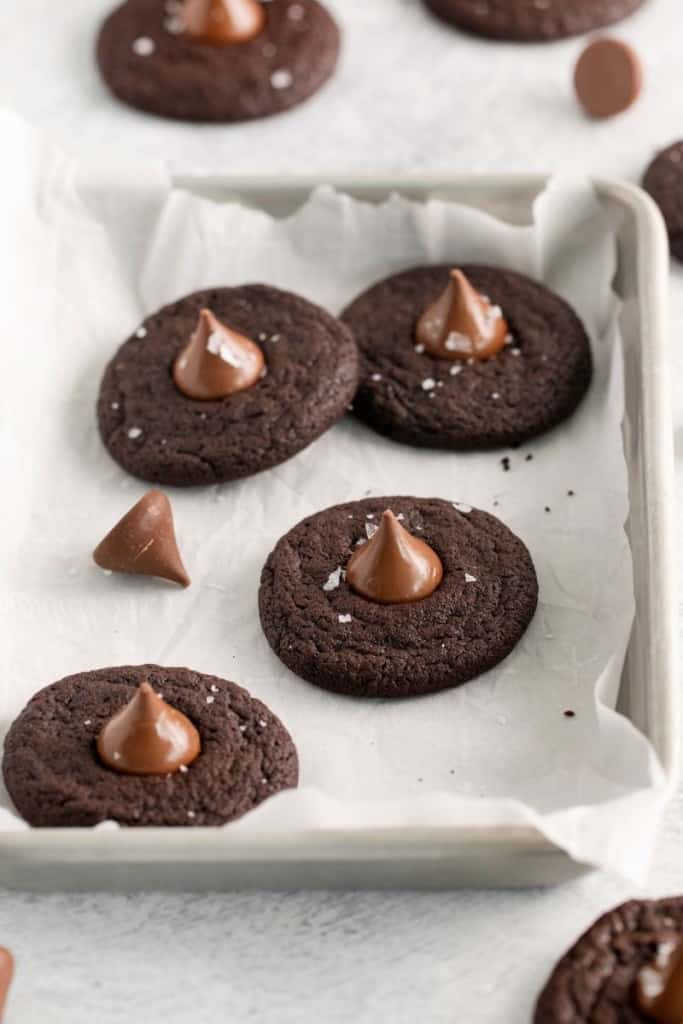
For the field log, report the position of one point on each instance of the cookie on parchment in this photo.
(56, 778)
(150, 63)
(626, 969)
(531, 20)
(158, 433)
(536, 380)
(336, 638)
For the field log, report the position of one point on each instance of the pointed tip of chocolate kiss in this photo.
(148, 736)
(143, 542)
(217, 361)
(394, 567)
(462, 323)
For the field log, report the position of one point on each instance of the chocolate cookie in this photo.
(531, 21)
(664, 181)
(534, 383)
(331, 636)
(55, 778)
(597, 979)
(157, 433)
(149, 64)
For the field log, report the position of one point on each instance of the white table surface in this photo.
(409, 96)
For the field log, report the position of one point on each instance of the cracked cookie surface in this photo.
(531, 385)
(56, 779)
(593, 982)
(159, 434)
(332, 637)
(532, 20)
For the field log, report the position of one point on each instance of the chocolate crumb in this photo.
(570, 714)
(505, 463)
(547, 508)
(570, 493)
(528, 457)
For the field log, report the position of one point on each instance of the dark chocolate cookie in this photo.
(159, 434)
(531, 20)
(55, 777)
(340, 641)
(533, 384)
(595, 980)
(148, 64)
(664, 181)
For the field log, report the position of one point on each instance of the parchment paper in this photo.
(87, 251)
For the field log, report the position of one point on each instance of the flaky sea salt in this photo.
(134, 433)
(281, 79)
(143, 46)
(334, 579)
(469, 578)
(345, 618)
(428, 384)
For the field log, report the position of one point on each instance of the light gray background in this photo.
(409, 96)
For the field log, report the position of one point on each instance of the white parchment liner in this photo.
(82, 262)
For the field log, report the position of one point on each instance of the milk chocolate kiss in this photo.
(6, 975)
(462, 324)
(144, 542)
(148, 737)
(394, 567)
(217, 361)
(221, 22)
(659, 985)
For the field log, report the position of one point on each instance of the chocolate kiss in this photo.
(6, 975)
(394, 567)
(144, 542)
(462, 324)
(659, 985)
(217, 361)
(223, 21)
(148, 737)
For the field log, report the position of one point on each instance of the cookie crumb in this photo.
(505, 463)
(528, 458)
(569, 714)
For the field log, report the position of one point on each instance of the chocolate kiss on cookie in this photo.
(221, 22)
(659, 986)
(148, 737)
(217, 361)
(462, 323)
(144, 542)
(6, 975)
(393, 567)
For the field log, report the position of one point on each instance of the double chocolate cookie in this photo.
(56, 777)
(531, 20)
(481, 592)
(157, 432)
(149, 61)
(411, 394)
(664, 181)
(626, 969)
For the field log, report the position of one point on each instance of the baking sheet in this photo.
(84, 264)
